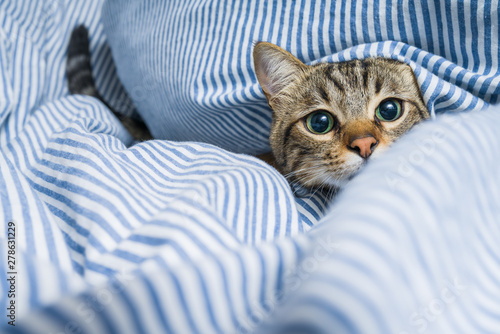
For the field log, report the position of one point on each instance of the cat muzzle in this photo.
(363, 146)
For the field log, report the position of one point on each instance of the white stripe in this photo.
(197, 213)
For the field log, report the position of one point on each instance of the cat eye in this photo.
(319, 122)
(389, 110)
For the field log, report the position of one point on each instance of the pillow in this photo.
(188, 67)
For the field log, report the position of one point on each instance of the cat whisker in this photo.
(304, 175)
(298, 171)
(318, 176)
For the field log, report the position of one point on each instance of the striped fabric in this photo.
(188, 64)
(187, 237)
(422, 256)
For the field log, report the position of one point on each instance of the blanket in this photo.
(104, 235)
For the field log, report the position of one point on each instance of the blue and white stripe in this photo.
(186, 237)
(421, 256)
(192, 76)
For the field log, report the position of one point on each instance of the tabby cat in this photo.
(328, 119)
(331, 118)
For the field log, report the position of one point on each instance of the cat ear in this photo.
(275, 67)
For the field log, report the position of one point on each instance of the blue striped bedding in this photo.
(188, 233)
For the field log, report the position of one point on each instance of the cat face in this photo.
(330, 119)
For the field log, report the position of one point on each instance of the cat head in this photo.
(329, 119)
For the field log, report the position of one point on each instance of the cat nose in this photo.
(364, 146)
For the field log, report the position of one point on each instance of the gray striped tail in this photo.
(78, 68)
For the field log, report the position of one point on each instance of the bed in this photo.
(190, 233)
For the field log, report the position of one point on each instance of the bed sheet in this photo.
(186, 237)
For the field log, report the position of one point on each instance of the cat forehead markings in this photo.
(351, 89)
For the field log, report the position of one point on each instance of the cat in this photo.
(329, 119)
(81, 81)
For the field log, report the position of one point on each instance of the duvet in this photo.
(189, 234)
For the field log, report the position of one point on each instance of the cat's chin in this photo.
(355, 168)
(341, 183)
(347, 179)
(361, 164)
(329, 186)
(352, 176)
(326, 179)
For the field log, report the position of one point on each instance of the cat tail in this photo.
(81, 81)
(78, 68)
